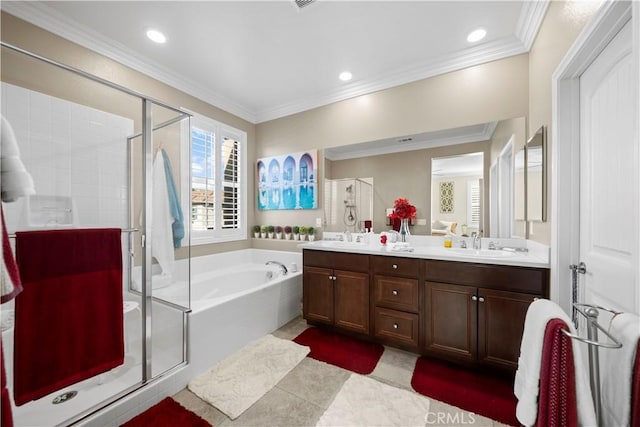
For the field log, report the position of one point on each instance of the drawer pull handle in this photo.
(395, 326)
(394, 292)
(481, 299)
(395, 266)
(474, 298)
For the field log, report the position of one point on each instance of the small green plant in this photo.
(270, 228)
(287, 229)
(311, 231)
(303, 230)
(263, 229)
(296, 229)
(256, 228)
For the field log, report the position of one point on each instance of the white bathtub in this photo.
(233, 302)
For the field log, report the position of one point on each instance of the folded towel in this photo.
(526, 385)
(557, 401)
(69, 320)
(10, 284)
(635, 391)
(161, 227)
(15, 181)
(616, 372)
(174, 203)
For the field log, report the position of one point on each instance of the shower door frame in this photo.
(146, 242)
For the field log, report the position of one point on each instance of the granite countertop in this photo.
(430, 247)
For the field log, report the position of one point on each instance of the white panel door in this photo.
(608, 212)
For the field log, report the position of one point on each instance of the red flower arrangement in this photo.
(403, 209)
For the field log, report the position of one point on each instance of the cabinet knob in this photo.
(474, 298)
(395, 266)
(394, 292)
(395, 326)
(481, 299)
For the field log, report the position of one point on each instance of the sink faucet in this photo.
(347, 236)
(477, 240)
(279, 264)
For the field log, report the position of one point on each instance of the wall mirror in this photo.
(536, 181)
(401, 166)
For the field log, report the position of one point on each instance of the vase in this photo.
(404, 229)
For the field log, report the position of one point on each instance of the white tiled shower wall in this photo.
(70, 150)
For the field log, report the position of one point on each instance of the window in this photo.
(473, 203)
(218, 201)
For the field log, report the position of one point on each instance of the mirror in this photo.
(536, 180)
(401, 167)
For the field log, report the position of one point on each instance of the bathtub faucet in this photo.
(281, 265)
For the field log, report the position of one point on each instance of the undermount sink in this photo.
(481, 253)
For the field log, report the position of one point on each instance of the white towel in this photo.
(527, 381)
(617, 370)
(161, 227)
(15, 181)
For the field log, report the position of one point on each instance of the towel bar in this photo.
(124, 230)
(591, 314)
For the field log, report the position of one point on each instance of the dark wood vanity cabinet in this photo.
(475, 312)
(336, 290)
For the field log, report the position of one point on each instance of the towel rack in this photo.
(591, 313)
(124, 230)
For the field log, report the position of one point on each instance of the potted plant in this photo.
(256, 231)
(303, 232)
(311, 232)
(278, 232)
(263, 231)
(296, 232)
(287, 232)
(271, 229)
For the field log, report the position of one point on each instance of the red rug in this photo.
(483, 394)
(167, 413)
(346, 352)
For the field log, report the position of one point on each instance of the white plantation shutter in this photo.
(473, 203)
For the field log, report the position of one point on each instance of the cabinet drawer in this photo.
(396, 292)
(397, 327)
(396, 266)
(500, 277)
(337, 260)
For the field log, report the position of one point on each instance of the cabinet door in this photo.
(451, 323)
(352, 301)
(500, 324)
(317, 295)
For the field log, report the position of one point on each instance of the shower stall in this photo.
(91, 147)
(348, 204)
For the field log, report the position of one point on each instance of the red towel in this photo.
(635, 391)
(557, 404)
(69, 320)
(6, 417)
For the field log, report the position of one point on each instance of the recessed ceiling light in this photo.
(345, 76)
(476, 35)
(156, 36)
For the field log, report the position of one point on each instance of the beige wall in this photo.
(28, 73)
(561, 26)
(488, 92)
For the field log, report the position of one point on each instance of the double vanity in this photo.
(463, 305)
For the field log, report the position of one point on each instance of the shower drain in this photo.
(61, 398)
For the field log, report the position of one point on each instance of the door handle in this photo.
(474, 298)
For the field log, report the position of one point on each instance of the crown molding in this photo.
(529, 22)
(51, 20)
(37, 13)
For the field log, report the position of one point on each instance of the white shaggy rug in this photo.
(237, 382)
(363, 401)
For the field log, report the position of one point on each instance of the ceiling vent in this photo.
(303, 3)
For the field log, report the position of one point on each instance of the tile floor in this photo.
(302, 396)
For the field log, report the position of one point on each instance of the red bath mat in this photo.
(481, 393)
(346, 352)
(167, 413)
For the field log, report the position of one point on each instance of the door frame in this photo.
(565, 131)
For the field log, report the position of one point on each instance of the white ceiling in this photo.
(262, 60)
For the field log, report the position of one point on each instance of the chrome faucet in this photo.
(347, 236)
(477, 240)
(279, 264)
